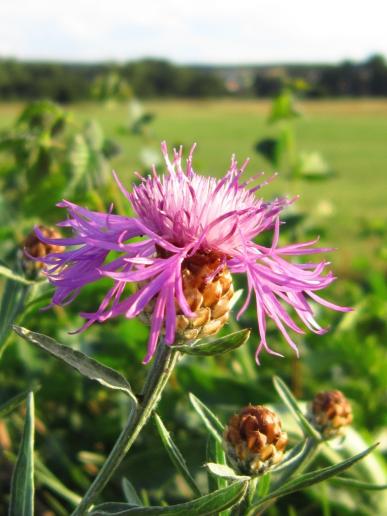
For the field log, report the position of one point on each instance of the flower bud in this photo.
(330, 413)
(208, 289)
(254, 440)
(35, 248)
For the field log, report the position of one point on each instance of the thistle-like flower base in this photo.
(208, 289)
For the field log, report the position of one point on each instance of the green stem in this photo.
(157, 378)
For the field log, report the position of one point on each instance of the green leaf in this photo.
(8, 273)
(22, 486)
(312, 165)
(293, 461)
(209, 504)
(130, 493)
(264, 484)
(309, 479)
(175, 455)
(235, 298)
(358, 484)
(10, 405)
(283, 107)
(224, 471)
(208, 347)
(211, 422)
(270, 149)
(12, 301)
(82, 363)
(215, 453)
(292, 404)
(47, 478)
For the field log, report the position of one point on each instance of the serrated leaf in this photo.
(224, 471)
(206, 505)
(76, 359)
(175, 455)
(358, 484)
(22, 486)
(208, 347)
(291, 402)
(211, 422)
(10, 405)
(130, 493)
(309, 479)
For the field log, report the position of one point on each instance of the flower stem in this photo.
(162, 367)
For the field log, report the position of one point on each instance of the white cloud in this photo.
(198, 31)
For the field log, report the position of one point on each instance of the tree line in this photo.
(147, 78)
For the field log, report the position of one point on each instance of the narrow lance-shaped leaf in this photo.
(22, 486)
(358, 484)
(291, 402)
(208, 347)
(309, 479)
(10, 405)
(47, 478)
(82, 363)
(130, 493)
(215, 453)
(224, 471)
(206, 505)
(212, 423)
(11, 304)
(298, 456)
(8, 273)
(264, 484)
(175, 455)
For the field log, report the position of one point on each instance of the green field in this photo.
(352, 135)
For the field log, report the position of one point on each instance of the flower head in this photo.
(35, 249)
(184, 219)
(254, 440)
(331, 413)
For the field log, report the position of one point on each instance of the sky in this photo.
(200, 31)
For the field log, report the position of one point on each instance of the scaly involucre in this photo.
(179, 215)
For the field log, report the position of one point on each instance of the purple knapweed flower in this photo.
(181, 216)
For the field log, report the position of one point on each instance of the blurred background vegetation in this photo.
(70, 82)
(63, 128)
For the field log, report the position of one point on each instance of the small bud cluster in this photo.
(254, 440)
(330, 413)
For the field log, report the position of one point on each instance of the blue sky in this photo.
(200, 31)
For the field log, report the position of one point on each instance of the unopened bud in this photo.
(330, 413)
(254, 440)
(208, 289)
(35, 248)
